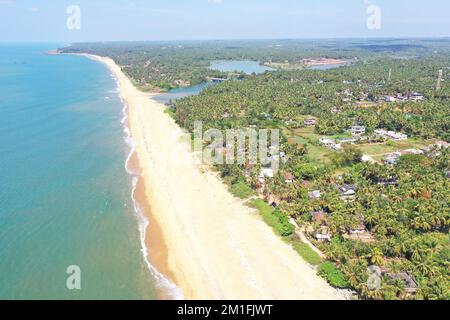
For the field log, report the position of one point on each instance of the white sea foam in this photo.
(169, 287)
(163, 282)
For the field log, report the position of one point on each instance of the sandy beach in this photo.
(208, 242)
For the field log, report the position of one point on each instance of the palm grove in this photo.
(358, 213)
(404, 208)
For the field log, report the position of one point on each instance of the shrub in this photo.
(333, 275)
(274, 218)
(241, 190)
(285, 227)
(390, 143)
(170, 112)
(308, 254)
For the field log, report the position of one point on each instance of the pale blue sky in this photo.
(106, 20)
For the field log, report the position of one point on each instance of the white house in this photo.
(266, 173)
(442, 145)
(323, 235)
(392, 158)
(336, 147)
(348, 192)
(368, 159)
(310, 122)
(381, 132)
(326, 237)
(401, 97)
(336, 110)
(347, 140)
(389, 99)
(412, 151)
(397, 135)
(358, 130)
(416, 97)
(360, 229)
(316, 194)
(391, 135)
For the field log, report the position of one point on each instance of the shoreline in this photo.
(152, 238)
(153, 246)
(197, 234)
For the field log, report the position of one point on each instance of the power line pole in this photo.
(390, 74)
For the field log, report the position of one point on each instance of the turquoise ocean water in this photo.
(65, 196)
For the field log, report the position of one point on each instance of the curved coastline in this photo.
(193, 230)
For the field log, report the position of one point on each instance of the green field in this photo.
(379, 150)
(376, 149)
(308, 133)
(242, 190)
(308, 254)
(282, 227)
(274, 218)
(307, 137)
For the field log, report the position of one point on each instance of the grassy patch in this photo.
(376, 149)
(280, 224)
(320, 154)
(392, 146)
(413, 143)
(308, 133)
(306, 137)
(342, 136)
(308, 254)
(333, 275)
(241, 190)
(274, 218)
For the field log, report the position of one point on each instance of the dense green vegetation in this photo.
(274, 218)
(398, 219)
(307, 253)
(241, 189)
(280, 224)
(333, 275)
(403, 210)
(286, 96)
(164, 65)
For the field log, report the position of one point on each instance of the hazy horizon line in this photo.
(233, 39)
